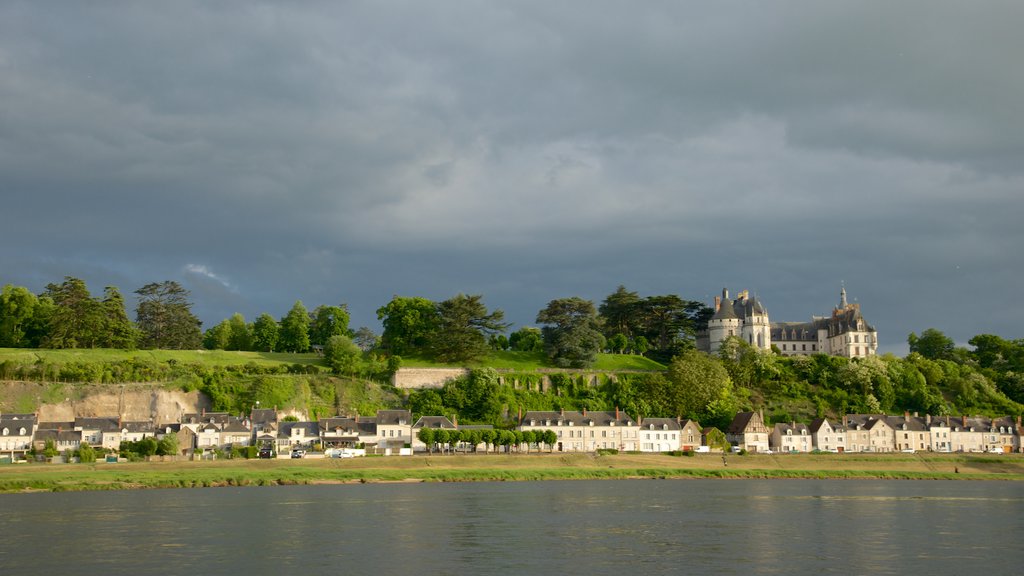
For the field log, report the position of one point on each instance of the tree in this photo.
(294, 333)
(463, 327)
(669, 323)
(696, 381)
(239, 334)
(328, 321)
(475, 396)
(425, 402)
(118, 330)
(427, 436)
(168, 445)
(526, 339)
(264, 333)
(77, 320)
(409, 324)
(218, 337)
(618, 343)
(17, 306)
(366, 339)
(932, 344)
(572, 336)
(618, 311)
(343, 356)
(165, 319)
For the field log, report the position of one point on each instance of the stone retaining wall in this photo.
(426, 377)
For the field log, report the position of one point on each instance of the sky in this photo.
(261, 153)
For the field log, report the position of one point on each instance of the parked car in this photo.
(297, 453)
(266, 452)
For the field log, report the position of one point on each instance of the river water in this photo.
(627, 527)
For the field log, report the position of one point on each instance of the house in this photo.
(292, 435)
(346, 432)
(748, 432)
(432, 422)
(235, 434)
(1005, 435)
(660, 435)
(63, 440)
(791, 437)
(394, 429)
(101, 432)
(135, 431)
(586, 431)
(16, 431)
(827, 437)
(910, 433)
(691, 435)
(869, 433)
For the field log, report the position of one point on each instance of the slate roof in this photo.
(58, 436)
(588, 418)
(817, 423)
(138, 427)
(263, 416)
(57, 425)
(215, 417)
(103, 424)
(440, 422)
(312, 429)
(660, 424)
(908, 423)
(14, 425)
(797, 428)
(393, 417)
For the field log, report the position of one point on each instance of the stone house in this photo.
(292, 435)
(586, 431)
(910, 433)
(434, 422)
(660, 435)
(16, 431)
(791, 437)
(869, 433)
(748, 432)
(827, 437)
(394, 429)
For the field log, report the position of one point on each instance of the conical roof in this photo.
(725, 312)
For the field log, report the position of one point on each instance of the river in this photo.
(622, 527)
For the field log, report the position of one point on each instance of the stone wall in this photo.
(426, 377)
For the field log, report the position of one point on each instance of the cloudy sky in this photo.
(344, 152)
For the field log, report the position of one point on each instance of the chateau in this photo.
(844, 333)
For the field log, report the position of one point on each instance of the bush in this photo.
(606, 451)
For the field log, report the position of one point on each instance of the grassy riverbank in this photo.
(470, 468)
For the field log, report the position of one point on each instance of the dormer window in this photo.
(22, 431)
(664, 426)
(6, 431)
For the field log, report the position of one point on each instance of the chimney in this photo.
(963, 419)
(718, 303)
(928, 419)
(584, 412)
(616, 413)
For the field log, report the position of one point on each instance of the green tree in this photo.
(328, 321)
(425, 402)
(366, 339)
(77, 320)
(409, 324)
(619, 312)
(343, 356)
(427, 436)
(639, 345)
(696, 381)
(218, 337)
(239, 334)
(86, 453)
(463, 327)
(932, 344)
(168, 445)
(118, 330)
(618, 343)
(17, 307)
(264, 333)
(571, 331)
(526, 339)
(294, 332)
(165, 319)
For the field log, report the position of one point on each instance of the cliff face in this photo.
(132, 402)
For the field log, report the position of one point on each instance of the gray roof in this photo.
(434, 422)
(393, 417)
(263, 415)
(103, 424)
(906, 422)
(587, 418)
(312, 429)
(196, 418)
(660, 424)
(57, 425)
(795, 427)
(138, 427)
(58, 436)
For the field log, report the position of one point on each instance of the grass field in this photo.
(494, 467)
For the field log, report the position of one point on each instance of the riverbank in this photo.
(519, 467)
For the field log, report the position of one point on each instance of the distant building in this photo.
(844, 333)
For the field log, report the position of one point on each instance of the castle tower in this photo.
(723, 324)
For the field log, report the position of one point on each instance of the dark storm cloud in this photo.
(262, 153)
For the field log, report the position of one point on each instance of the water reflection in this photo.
(599, 527)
